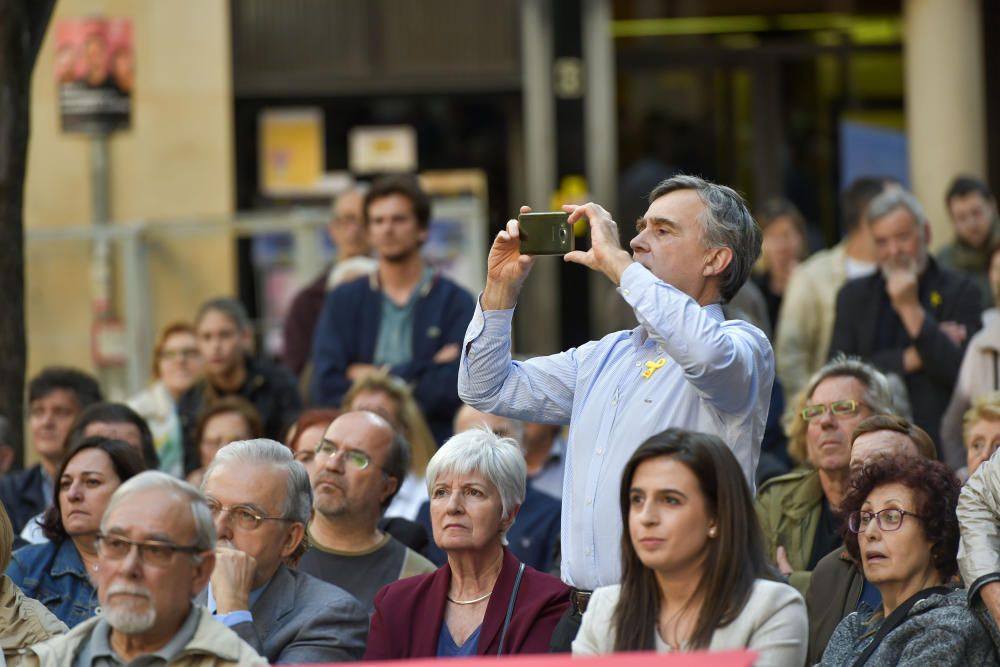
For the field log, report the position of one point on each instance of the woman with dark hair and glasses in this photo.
(56, 572)
(694, 571)
(903, 532)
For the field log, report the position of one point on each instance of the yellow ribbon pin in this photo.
(935, 299)
(653, 366)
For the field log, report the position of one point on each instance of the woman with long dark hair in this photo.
(694, 571)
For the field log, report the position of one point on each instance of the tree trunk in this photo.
(22, 27)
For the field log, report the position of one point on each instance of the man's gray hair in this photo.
(725, 223)
(480, 450)
(298, 490)
(204, 528)
(893, 198)
(879, 394)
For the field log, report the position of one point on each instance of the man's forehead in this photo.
(885, 441)
(360, 429)
(681, 208)
(240, 482)
(894, 217)
(152, 514)
(58, 395)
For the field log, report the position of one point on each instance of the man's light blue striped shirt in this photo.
(715, 377)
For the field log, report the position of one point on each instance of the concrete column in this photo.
(945, 103)
(537, 323)
(601, 127)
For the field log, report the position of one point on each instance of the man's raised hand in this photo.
(506, 268)
(606, 253)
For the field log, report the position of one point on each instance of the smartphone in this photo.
(545, 233)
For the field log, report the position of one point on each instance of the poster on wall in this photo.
(292, 153)
(95, 72)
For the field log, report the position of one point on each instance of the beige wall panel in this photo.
(945, 107)
(175, 162)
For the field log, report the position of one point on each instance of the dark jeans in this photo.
(565, 632)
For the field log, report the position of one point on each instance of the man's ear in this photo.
(716, 261)
(391, 484)
(296, 533)
(927, 233)
(202, 572)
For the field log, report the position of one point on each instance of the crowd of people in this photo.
(789, 454)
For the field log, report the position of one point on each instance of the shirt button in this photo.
(625, 292)
(588, 551)
(590, 501)
(600, 452)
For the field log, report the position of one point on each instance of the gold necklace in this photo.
(479, 599)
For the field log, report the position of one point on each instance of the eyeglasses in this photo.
(887, 519)
(185, 353)
(843, 408)
(356, 459)
(151, 552)
(244, 517)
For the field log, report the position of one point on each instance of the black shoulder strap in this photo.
(895, 618)
(510, 608)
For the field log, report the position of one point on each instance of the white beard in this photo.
(126, 619)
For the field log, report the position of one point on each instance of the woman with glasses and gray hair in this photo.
(483, 601)
(903, 532)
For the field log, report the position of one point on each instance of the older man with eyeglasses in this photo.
(155, 553)
(261, 500)
(797, 510)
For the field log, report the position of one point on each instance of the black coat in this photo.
(867, 326)
(271, 389)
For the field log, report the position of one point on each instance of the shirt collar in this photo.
(68, 560)
(100, 641)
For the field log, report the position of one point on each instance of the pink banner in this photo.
(649, 659)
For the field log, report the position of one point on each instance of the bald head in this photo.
(468, 418)
(887, 443)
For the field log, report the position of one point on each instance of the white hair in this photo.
(204, 528)
(497, 459)
(892, 198)
(298, 490)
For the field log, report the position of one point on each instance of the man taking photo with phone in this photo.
(683, 366)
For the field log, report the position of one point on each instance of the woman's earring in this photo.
(711, 532)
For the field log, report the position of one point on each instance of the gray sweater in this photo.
(939, 630)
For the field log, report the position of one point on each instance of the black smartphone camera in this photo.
(545, 233)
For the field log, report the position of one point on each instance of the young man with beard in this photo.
(405, 318)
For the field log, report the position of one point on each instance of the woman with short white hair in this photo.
(483, 601)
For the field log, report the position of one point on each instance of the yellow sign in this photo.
(292, 155)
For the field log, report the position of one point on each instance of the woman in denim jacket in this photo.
(56, 572)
